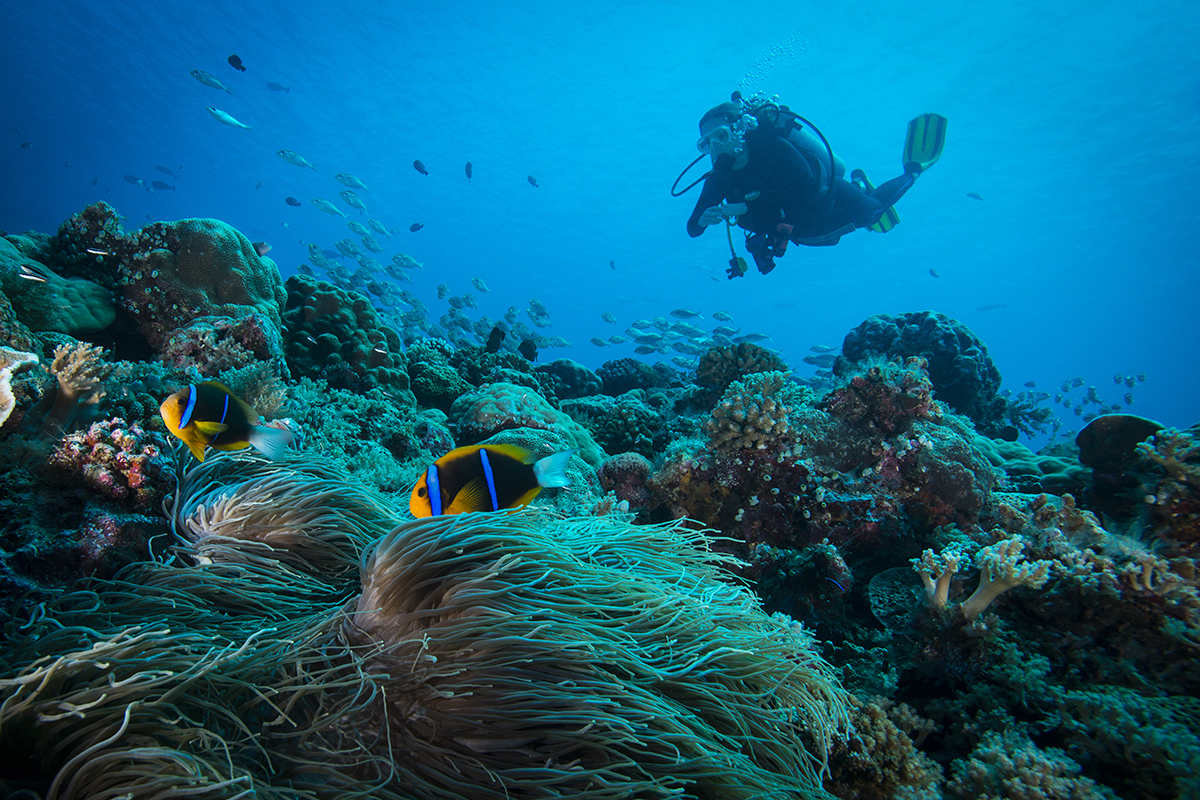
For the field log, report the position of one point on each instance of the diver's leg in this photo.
(866, 209)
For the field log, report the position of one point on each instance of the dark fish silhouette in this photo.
(532, 181)
(419, 167)
(495, 338)
(612, 264)
(468, 170)
(236, 63)
(277, 87)
(134, 179)
(262, 248)
(162, 187)
(992, 306)
(258, 185)
(1031, 384)
(934, 273)
(95, 181)
(974, 195)
(26, 146)
(416, 226)
(528, 349)
(291, 201)
(166, 171)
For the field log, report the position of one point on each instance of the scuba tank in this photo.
(781, 121)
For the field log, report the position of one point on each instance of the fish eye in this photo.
(421, 491)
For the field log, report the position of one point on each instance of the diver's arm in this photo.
(711, 195)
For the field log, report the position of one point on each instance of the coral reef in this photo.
(336, 336)
(480, 414)
(960, 368)
(10, 362)
(212, 345)
(752, 414)
(626, 475)
(571, 379)
(123, 463)
(721, 366)
(50, 302)
(622, 375)
(435, 382)
(622, 424)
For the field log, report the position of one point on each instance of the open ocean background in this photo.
(1076, 122)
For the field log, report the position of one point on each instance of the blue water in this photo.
(1077, 122)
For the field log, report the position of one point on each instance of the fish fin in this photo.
(513, 451)
(526, 498)
(474, 496)
(271, 442)
(552, 470)
(247, 410)
(197, 448)
(209, 429)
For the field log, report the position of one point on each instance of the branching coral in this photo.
(1001, 568)
(1012, 767)
(752, 414)
(81, 371)
(721, 366)
(937, 570)
(1175, 451)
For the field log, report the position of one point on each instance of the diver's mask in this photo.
(717, 141)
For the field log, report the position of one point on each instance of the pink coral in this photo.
(119, 461)
(215, 344)
(886, 398)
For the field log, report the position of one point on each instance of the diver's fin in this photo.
(924, 143)
(890, 218)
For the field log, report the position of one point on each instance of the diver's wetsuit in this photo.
(790, 191)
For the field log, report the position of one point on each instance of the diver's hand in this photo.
(714, 214)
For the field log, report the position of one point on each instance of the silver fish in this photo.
(327, 207)
(823, 360)
(822, 348)
(685, 313)
(608, 316)
(346, 179)
(358, 228)
(293, 157)
(598, 342)
(406, 261)
(371, 244)
(221, 116)
(479, 284)
(685, 363)
(721, 316)
(348, 248)
(378, 227)
(617, 339)
(353, 200)
(209, 80)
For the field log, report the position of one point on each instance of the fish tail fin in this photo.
(552, 470)
(271, 442)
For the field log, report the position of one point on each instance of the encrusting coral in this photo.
(10, 362)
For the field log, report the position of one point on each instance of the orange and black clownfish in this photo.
(486, 477)
(209, 415)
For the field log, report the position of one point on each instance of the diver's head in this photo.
(722, 131)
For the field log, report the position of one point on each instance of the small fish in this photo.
(442, 291)
(221, 116)
(134, 179)
(823, 360)
(305, 269)
(346, 179)
(1141, 377)
(353, 200)
(348, 248)
(327, 207)
(1129, 398)
(612, 264)
(358, 227)
(1041, 397)
(617, 339)
(1077, 382)
(26, 146)
(822, 348)
(685, 313)
(209, 80)
(1129, 381)
(419, 167)
(992, 306)
(258, 185)
(608, 316)
(1031, 384)
(479, 284)
(165, 171)
(97, 251)
(262, 248)
(371, 244)
(162, 187)
(1058, 398)
(1117, 379)
(486, 477)
(293, 202)
(934, 273)
(721, 316)
(528, 349)
(378, 227)
(278, 87)
(685, 363)
(645, 349)
(1078, 409)
(752, 337)
(532, 181)
(95, 181)
(33, 272)
(416, 226)
(209, 415)
(495, 339)
(236, 63)
(294, 158)
(468, 170)
(974, 195)
(598, 342)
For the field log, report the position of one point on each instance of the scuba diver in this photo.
(775, 175)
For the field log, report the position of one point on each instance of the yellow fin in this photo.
(209, 429)
(512, 451)
(525, 499)
(196, 447)
(472, 497)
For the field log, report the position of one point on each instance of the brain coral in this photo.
(336, 335)
(721, 366)
(503, 406)
(196, 268)
(962, 372)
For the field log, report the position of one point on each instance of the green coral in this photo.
(434, 380)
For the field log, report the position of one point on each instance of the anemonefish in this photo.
(209, 415)
(486, 477)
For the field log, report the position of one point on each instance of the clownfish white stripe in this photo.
(191, 406)
(489, 478)
(435, 491)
